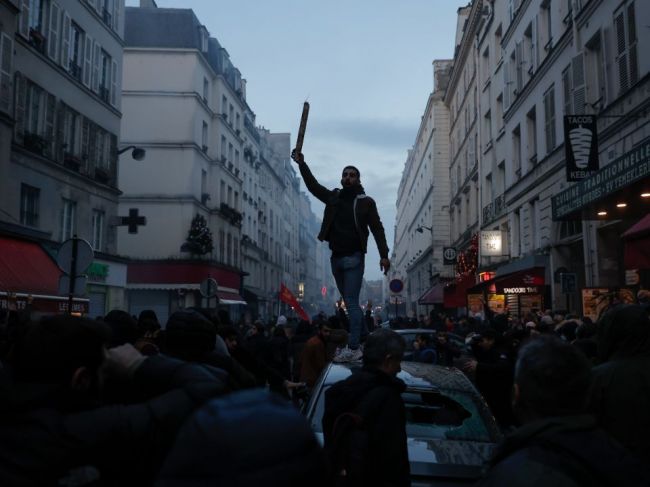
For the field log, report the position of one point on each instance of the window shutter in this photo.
(619, 24)
(534, 55)
(114, 83)
(519, 61)
(65, 41)
(631, 53)
(92, 145)
(21, 101)
(98, 6)
(88, 60)
(566, 90)
(6, 60)
(23, 26)
(60, 134)
(578, 88)
(506, 85)
(116, 15)
(85, 141)
(53, 38)
(48, 126)
(96, 58)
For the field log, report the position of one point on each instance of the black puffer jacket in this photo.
(47, 438)
(247, 439)
(375, 396)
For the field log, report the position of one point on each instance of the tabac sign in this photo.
(581, 146)
(627, 169)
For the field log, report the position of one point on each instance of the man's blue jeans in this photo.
(348, 274)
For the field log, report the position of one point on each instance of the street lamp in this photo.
(137, 154)
(421, 228)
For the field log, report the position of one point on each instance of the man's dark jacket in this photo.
(365, 213)
(376, 397)
(566, 451)
(46, 438)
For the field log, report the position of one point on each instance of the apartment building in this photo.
(422, 226)
(61, 92)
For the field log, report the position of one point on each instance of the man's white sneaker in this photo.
(348, 355)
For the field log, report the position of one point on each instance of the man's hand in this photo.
(384, 265)
(297, 156)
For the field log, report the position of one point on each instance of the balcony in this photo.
(231, 214)
(36, 143)
(105, 94)
(76, 71)
(72, 162)
(37, 40)
(494, 210)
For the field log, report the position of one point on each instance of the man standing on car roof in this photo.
(349, 212)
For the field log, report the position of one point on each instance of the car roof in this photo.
(414, 374)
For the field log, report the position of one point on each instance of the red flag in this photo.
(287, 297)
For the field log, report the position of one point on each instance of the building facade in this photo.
(61, 96)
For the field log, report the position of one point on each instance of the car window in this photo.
(452, 415)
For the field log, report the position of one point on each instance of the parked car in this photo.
(451, 431)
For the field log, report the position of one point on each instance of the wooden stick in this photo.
(303, 127)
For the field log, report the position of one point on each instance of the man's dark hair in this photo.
(624, 332)
(123, 327)
(380, 344)
(553, 378)
(352, 167)
(52, 349)
(189, 334)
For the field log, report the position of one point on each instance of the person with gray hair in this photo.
(364, 423)
(558, 443)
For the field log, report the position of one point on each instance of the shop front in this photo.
(29, 279)
(518, 293)
(166, 286)
(106, 286)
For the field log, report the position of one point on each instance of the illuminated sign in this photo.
(491, 243)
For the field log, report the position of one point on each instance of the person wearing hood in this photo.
(364, 420)
(620, 396)
(558, 444)
(349, 213)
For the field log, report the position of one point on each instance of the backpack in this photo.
(349, 450)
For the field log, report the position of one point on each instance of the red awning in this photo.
(26, 268)
(28, 274)
(531, 279)
(455, 294)
(637, 245)
(434, 295)
(168, 274)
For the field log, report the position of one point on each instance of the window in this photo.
(53, 33)
(37, 12)
(98, 230)
(515, 235)
(29, 205)
(206, 87)
(596, 95)
(535, 234)
(531, 135)
(626, 47)
(224, 105)
(499, 112)
(204, 137)
(549, 119)
(71, 138)
(68, 220)
(530, 47)
(6, 61)
(231, 115)
(546, 31)
(76, 53)
(516, 152)
(222, 192)
(228, 249)
(105, 76)
(222, 245)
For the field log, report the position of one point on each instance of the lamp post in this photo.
(138, 153)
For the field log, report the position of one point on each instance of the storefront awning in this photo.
(433, 295)
(455, 293)
(26, 268)
(30, 278)
(230, 298)
(529, 281)
(637, 245)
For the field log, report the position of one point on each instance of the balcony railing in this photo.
(104, 93)
(75, 70)
(494, 210)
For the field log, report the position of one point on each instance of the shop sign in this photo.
(521, 290)
(627, 169)
(491, 243)
(581, 146)
(449, 255)
(97, 272)
(475, 304)
(597, 300)
(497, 303)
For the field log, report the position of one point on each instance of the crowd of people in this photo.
(124, 400)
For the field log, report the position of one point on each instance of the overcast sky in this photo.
(365, 66)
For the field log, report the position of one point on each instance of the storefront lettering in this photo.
(520, 290)
(625, 170)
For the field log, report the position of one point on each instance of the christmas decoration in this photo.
(468, 260)
(199, 238)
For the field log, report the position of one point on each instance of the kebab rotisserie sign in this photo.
(581, 146)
